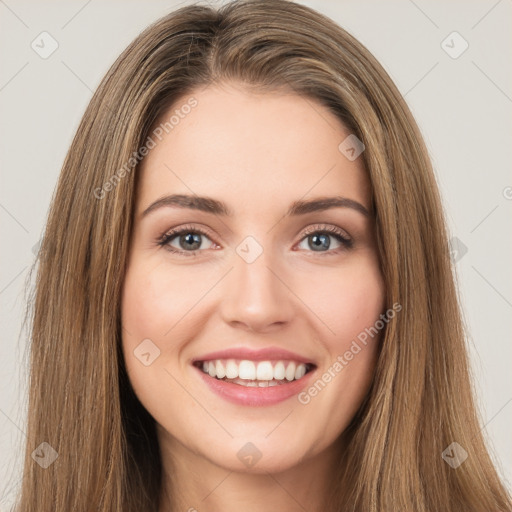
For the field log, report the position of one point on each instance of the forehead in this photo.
(250, 147)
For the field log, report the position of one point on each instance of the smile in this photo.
(255, 383)
(255, 373)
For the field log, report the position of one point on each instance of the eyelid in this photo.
(187, 227)
(326, 228)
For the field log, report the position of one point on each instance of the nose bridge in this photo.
(256, 294)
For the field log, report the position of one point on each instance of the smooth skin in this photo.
(258, 153)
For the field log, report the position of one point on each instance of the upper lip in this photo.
(264, 354)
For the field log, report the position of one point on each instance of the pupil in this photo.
(190, 238)
(320, 240)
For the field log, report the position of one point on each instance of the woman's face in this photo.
(258, 283)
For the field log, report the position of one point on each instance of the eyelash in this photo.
(165, 238)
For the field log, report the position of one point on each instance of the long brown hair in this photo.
(80, 399)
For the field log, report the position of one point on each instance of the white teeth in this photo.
(231, 369)
(220, 370)
(247, 370)
(290, 372)
(279, 371)
(300, 371)
(265, 372)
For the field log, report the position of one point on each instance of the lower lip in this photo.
(255, 396)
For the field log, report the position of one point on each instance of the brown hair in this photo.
(80, 399)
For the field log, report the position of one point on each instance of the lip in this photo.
(255, 396)
(265, 354)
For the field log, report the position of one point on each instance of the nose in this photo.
(256, 296)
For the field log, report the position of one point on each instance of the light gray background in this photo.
(463, 107)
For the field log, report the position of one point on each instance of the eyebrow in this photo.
(216, 207)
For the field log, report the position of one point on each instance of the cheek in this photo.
(158, 304)
(351, 301)
(150, 308)
(141, 310)
(350, 310)
(146, 314)
(155, 300)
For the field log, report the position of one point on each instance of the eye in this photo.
(317, 239)
(188, 239)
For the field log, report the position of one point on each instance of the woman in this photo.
(199, 343)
